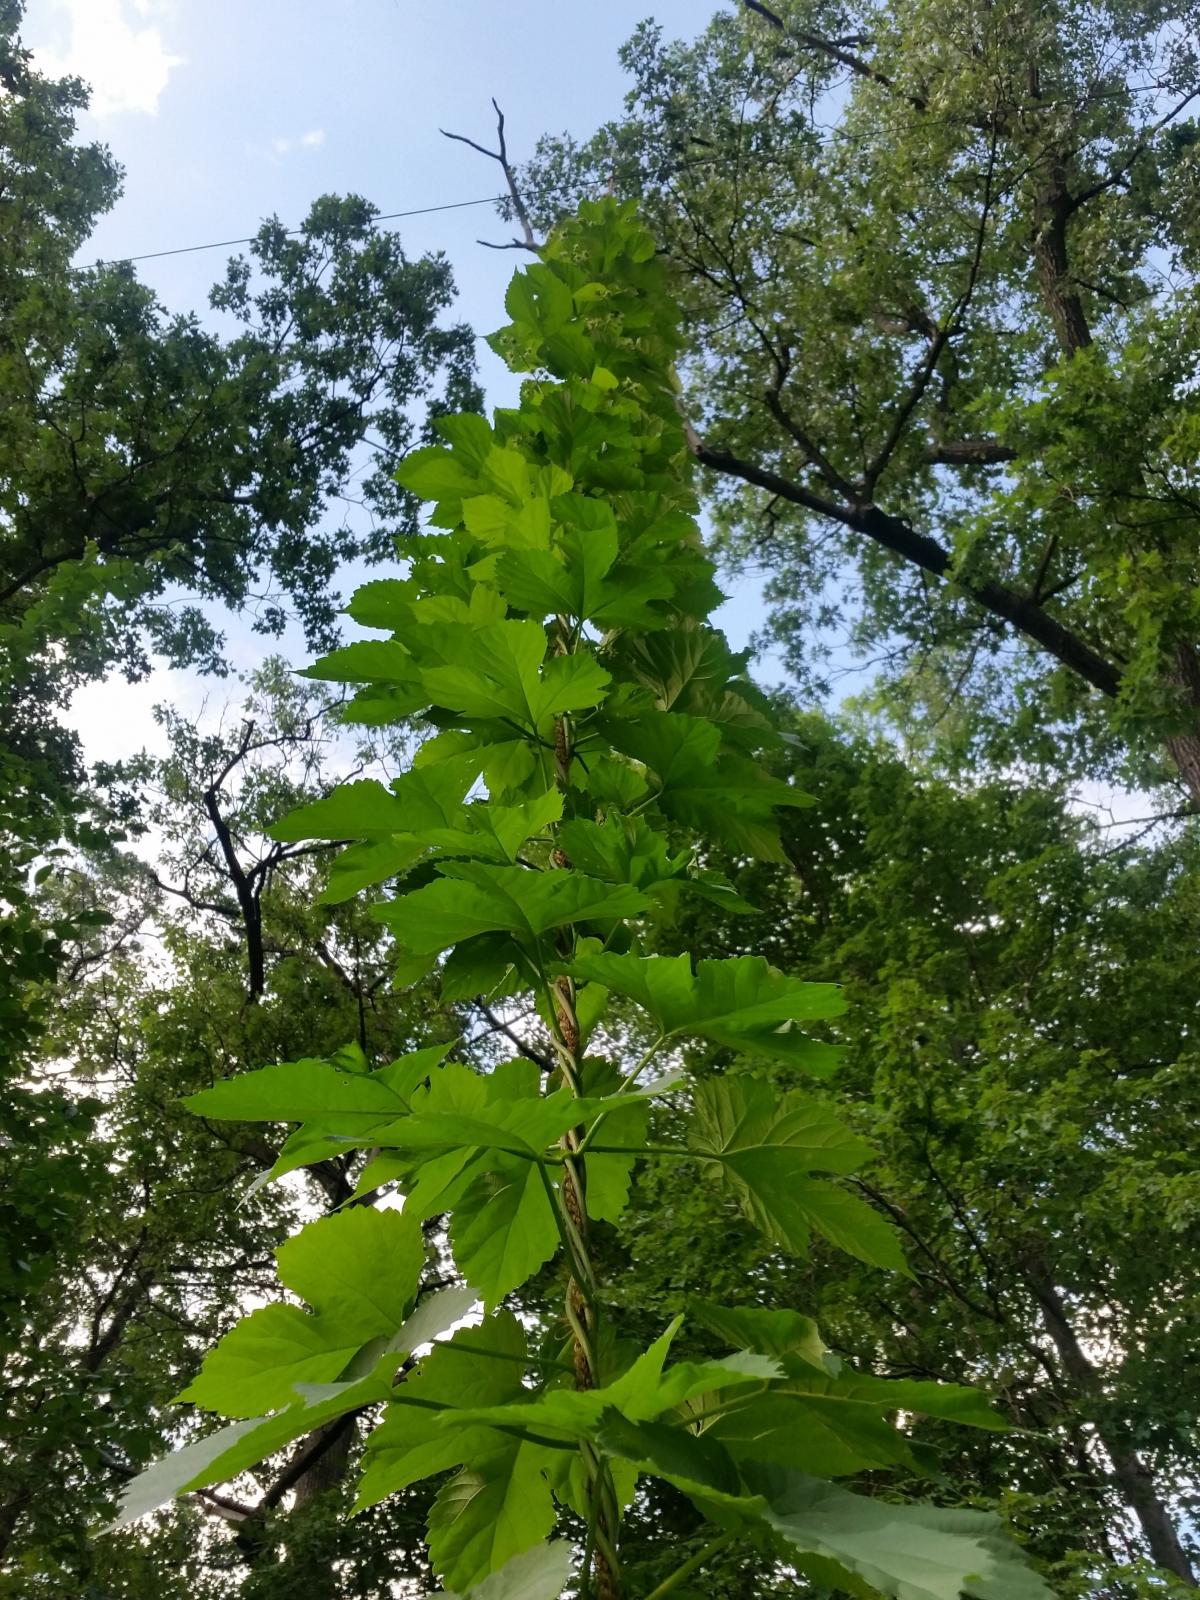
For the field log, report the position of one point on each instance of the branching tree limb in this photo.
(898, 536)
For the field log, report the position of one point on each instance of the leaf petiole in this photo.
(674, 1579)
(626, 1083)
(641, 1150)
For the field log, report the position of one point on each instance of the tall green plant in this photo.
(552, 630)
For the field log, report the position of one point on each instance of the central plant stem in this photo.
(582, 1310)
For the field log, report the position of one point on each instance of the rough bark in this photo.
(1185, 746)
(326, 1459)
(1052, 212)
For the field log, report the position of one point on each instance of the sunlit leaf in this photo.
(358, 1269)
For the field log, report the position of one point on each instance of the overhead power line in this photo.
(225, 244)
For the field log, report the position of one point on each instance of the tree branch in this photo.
(836, 50)
(894, 534)
(247, 899)
(498, 1025)
(1114, 176)
(971, 453)
(938, 341)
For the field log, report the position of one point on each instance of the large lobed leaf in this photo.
(482, 899)
(537, 1574)
(499, 1504)
(765, 1145)
(742, 1002)
(221, 1456)
(359, 1270)
(911, 1552)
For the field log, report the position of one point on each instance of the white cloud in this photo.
(115, 719)
(283, 143)
(126, 63)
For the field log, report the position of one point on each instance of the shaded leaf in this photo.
(764, 1146)
(725, 796)
(770, 1331)
(503, 1228)
(497, 1507)
(477, 1367)
(539, 1574)
(912, 1552)
(671, 1452)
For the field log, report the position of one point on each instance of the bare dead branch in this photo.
(500, 155)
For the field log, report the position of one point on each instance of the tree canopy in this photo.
(144, 456)
(518, 1105)
(938, 265)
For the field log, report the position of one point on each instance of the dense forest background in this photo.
(938, 267)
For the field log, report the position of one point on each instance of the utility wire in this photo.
(224, 244)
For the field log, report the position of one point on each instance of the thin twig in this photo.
(498, 1025)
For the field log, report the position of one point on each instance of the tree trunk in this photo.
(330, 1459)
(11, 1512)
(1130, 1471)
(1052, 213)
(1185, 746)
(1185, 752)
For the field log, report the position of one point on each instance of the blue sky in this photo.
(223, 112)
(226, 111)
